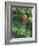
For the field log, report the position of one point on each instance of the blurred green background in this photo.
(18, 28)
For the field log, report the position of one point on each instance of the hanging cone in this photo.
(25, 19)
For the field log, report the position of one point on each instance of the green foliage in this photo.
(18, 29)
(22, 11)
